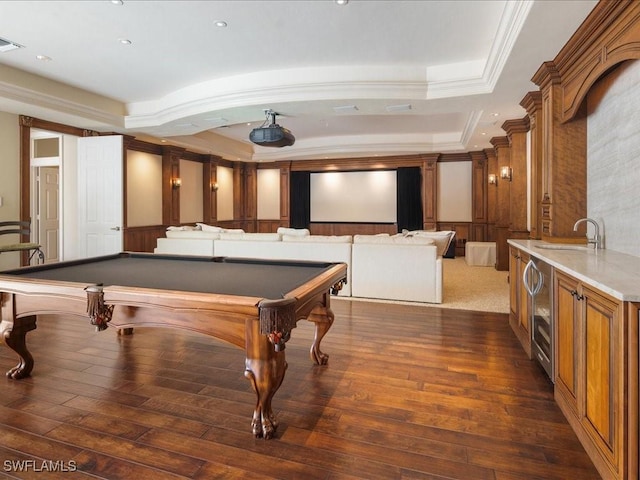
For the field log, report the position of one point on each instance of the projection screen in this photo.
(354, 197)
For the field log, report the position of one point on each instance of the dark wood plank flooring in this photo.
(409, 393)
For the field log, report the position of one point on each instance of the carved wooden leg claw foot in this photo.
(16, 341)
(264, 424)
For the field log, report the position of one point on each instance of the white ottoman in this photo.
(480, 253)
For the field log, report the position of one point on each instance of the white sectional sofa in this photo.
(390, 267)
(312, 247)
(396, 268)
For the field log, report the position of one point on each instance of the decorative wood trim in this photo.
(454, 157)
(610, 35)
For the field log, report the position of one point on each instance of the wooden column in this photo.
(209, 189)
(285, 178)
(170, 195)
(479, 191)
(503, 153)
(564, 161)
(250, 197)
(492, 195)
(532, 103)
(429, 191)
(518, 206)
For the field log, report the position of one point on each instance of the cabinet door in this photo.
(566, 315)
(519, 317)
(602, 370)
(514, 281)
(524, 302)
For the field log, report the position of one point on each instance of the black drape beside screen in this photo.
(409, 199)
(300, 200)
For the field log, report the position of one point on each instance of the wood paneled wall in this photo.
(245, 192)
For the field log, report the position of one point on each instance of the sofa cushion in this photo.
(296, 232)
(258, 237)
(182, 228)
(392, 240)
(442, 239)
(213, 228)
(199, 234)
(209, 228)
(318, 238)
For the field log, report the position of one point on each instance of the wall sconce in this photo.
(505, 173)
(493, 179)
(214, 187)
(176, 183)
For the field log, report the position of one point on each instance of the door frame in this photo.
(26, 125)
(36, 163)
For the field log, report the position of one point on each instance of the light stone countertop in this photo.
(615, 273)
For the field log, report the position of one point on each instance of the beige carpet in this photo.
(483, 289)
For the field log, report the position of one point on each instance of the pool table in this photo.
(251, 303)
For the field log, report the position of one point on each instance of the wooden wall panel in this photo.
(142, 239)
(352, 228)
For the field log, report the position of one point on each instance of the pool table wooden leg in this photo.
(323, 318)
(14, 335)
(264, 368)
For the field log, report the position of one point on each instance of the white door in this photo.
(48, 216)
(100, 196)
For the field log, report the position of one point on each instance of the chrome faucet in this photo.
(596, 240)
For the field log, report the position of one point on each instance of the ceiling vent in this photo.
(8, 45)
(272, 135)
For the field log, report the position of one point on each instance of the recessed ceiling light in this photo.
(44, 58)
(117, 2)
(124, 41)
(220, 23)
(398, 108)
(8, 45)
(345, 109)
(342, 2)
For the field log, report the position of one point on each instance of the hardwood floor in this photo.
(409, 393)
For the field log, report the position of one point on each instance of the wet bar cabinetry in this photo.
(595, 316)
(590, 383)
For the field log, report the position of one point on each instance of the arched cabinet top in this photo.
(609, 36)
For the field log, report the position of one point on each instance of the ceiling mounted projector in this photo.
(272, 135)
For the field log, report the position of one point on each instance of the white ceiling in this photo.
(462, 67)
